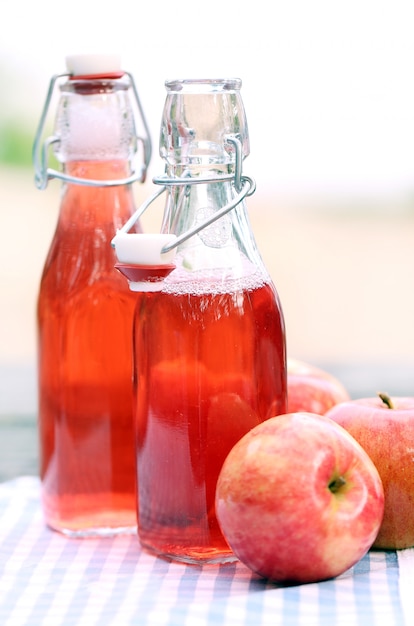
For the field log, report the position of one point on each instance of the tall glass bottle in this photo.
(209, 345)
(85, 310)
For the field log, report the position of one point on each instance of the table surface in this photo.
(48, 579)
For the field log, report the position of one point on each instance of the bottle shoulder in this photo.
(219, 271)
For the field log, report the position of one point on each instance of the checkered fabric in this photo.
(49, 580)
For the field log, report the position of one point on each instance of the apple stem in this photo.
(386, 400)
(336, 484)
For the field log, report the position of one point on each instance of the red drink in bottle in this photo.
(209, 339)
(216, 371)
(85, 314)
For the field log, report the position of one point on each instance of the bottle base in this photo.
(93, 532)
(195, 556)
(100, 532)
(82, 516)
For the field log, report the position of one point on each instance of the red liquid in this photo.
(85, 314)
(213, 367)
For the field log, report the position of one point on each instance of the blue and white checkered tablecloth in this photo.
(49, 580)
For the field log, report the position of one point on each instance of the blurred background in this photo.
(329, 95)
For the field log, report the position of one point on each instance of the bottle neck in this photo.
(95, 121)
(95, 128)
(204, 139)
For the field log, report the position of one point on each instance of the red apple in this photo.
(385, 429)
(312, 389)
(298, 499)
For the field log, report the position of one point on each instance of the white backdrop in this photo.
(329, 93)
(327, 84)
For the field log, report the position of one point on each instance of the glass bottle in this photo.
(209, 344)
(85, 310)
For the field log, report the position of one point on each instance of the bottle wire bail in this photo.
(40, 151)
(244, 185)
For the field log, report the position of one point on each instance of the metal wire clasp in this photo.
(244, 185)
(40, 150)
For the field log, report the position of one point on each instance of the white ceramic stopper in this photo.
(143, 248)
(93, 64)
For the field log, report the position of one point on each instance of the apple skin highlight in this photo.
(298, 500)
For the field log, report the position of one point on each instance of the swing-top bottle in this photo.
(209, 341)
(85, 310)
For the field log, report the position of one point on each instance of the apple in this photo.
(385, 429)
(298, 499)
(312, 389)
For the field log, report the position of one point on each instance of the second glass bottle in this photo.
(209, 346)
